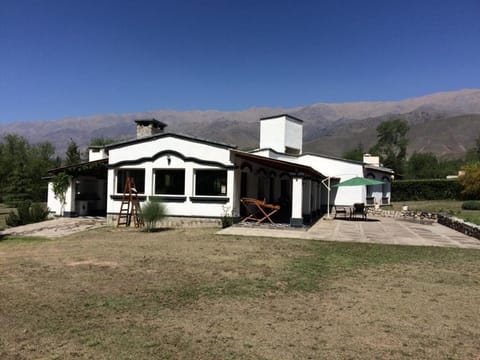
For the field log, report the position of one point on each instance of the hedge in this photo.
(434, 189)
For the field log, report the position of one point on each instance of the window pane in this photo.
(211, 182)
(138, 176)
(170, 182)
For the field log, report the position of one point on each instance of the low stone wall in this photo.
(459, 225)
(403, 214)
(177, 222)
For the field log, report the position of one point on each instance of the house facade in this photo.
(198, 178)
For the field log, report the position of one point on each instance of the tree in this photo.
(392, 144)
(470, 180)
(61, 183)
(355, 153)
(423, 166)
(101, 141)
(72, 155)
(22, 168)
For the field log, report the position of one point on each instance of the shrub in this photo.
(226, 219)
(38, 212)
(435, 189)
(471, 205)
(27, 213)
(152, 211)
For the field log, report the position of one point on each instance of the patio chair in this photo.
(359, 209)
(258, 210)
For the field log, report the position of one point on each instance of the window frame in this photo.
(155, 170)
(121, 187)
(195, 183)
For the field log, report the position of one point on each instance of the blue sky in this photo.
(75, 58)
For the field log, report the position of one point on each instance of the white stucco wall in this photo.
(97, 154)
(329, 167)
(54, 204)
(281, 132)
(272, 134)
(196, 153)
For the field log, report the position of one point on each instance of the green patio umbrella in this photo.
(358, 181)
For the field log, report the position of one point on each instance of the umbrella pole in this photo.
(328, 195)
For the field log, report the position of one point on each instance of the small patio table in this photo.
(258, 210)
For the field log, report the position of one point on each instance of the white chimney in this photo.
(371, 160)
(282, 133)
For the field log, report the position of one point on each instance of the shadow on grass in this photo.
(357, 219)
(156, 230)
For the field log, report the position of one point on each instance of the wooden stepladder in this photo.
(130, 207)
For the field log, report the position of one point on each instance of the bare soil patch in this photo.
(188, 293)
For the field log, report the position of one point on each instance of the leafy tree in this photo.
(470, 180)
(355, 153)
(101, 141)
(22, 168)
(423, 166)
(392, 143)
(61, 183)
(72, 155)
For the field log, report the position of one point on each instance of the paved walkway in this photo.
(379, 230)
(57, 227)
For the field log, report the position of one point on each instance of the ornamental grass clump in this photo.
(152, 212)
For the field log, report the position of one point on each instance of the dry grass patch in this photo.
(120, 294)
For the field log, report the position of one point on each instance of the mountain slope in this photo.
(444, 123)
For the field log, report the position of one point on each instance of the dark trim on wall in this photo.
(70, 214)
(246, 165)
(296, 222)
(120, 197)
(210, 199)
(172, 153)
(174, 198)
(280, 115)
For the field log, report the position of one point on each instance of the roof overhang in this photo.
(80, 168)
(286, 166)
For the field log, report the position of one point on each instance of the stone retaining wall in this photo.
(425, 218)
(459, 225)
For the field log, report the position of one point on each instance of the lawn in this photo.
(191, 294)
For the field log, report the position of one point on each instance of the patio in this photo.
(375, 230)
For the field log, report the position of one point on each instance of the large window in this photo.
(138, 177)
(170, 182)
(211, 182)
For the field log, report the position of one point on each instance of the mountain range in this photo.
(446, 124)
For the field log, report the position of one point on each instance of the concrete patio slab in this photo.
(375, 230)
(57, 227)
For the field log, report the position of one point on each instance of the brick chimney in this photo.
(149, 127)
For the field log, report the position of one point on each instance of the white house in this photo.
(203, 179)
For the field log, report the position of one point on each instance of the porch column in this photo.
(69, 206)
(307, 201)
(297, 198)
(314, 198)
(235, 199)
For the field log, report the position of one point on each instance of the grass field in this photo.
(191, 294)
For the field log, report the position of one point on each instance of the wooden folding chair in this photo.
(258, 210)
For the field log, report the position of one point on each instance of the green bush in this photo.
(27, 213)
(435, 189)
(38, 212)
(152, 211)
(471, 205)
